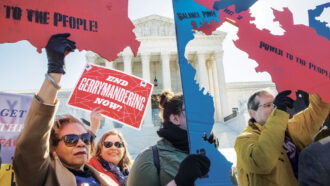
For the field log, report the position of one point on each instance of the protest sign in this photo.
(199, 106)
(190, 15)
(292, 64)
(13, 110)
(122, 97)
(99, 26)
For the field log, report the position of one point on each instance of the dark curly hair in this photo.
(170, 103)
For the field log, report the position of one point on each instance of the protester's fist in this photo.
(56, 49)
(303, 95)
(282, 101)
(95, 119)
(212, 139)
(191, 168)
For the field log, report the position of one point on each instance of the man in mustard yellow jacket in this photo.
(268, 149)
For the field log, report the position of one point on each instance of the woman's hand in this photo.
(95, 118)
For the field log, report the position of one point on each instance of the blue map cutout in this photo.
(320, 27)
(200, 107)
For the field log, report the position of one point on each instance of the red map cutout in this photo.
(207, 3)
(298, 59)
(100, 26)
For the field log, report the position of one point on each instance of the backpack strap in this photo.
(156, 158)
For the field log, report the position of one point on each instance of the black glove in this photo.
(191, 168)
(282, 101)
(212, 139)
(304, 96)
(57, 45)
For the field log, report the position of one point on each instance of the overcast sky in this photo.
(23, 68)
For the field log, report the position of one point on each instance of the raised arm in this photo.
(253, 149)
(95, 118)
(32, 146)
(304, 125)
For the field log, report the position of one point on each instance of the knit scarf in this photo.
(120, 174)
(292, 152)
(177, 136)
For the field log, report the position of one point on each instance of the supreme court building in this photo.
(157, 62)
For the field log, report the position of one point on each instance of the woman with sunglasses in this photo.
(52, 152)
(111, 155)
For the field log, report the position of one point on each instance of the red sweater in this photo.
(97, 165)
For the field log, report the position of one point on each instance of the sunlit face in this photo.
(265, 108)
(73, 157)
(112, 154)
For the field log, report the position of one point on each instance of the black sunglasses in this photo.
(71, 140)
(108, 144)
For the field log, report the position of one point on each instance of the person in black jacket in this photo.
(314, 164)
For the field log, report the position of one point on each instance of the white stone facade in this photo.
(157, 59)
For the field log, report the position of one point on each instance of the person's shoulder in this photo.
(143, 171)
(167, 149)
(325, 141)
(250, 131)
(321, 148)
(93, 161)
(322, 143)
(248, 134)
(144, 156)
(164, 144)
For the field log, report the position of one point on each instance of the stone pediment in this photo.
(158, 26)
(154, 26)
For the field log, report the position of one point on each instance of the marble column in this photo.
(109, 64)
(166, 72)
(127, 58)
(202, 72)
(90, 57)
(212, 89)
(216, 96)
(210, 77)
(145, 58)
(222, 85)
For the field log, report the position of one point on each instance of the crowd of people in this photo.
(276, 148)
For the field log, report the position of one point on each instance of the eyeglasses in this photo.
(71, 140)
(108, 144)
(267, 105)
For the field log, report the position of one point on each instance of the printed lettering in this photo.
(38, 16)
(16, 12)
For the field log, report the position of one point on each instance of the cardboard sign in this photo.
(123, 97)
(293, 64)
(318, 22)
(13, 110)
(199, 106)
(99, 26)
